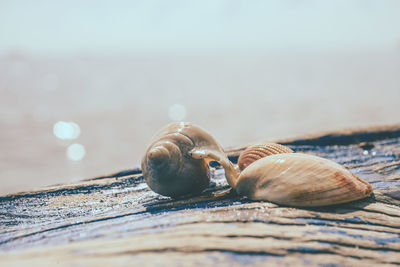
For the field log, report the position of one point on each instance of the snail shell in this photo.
(300, 180)
(176, 161)
(258, 151)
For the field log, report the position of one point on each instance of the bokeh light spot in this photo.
(66, 130)
(76, 152)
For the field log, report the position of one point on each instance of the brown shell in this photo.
(176, 162)
(258, 151)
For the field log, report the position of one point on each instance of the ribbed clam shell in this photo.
(258, 151)
(300, 180)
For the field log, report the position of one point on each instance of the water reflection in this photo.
(177, 112)
(76, 152)
(66, 130)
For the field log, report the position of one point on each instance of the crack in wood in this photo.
(113, 216)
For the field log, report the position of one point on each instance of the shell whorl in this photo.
(258, 151)
(162, 153)
(175, 163)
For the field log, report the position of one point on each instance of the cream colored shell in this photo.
(300, 180)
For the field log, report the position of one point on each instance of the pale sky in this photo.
(98, 26)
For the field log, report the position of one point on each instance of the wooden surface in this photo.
(117, 220)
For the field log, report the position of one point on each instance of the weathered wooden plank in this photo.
(116, 219)
(341, 137)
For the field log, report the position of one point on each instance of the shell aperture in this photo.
(300, 180)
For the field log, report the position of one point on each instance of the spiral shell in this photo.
(303, 180)
(258, 151)
(176, 162)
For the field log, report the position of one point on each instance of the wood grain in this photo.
(117, 220)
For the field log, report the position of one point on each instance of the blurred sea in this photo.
(118, 102)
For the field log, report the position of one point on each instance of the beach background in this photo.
(85, 84)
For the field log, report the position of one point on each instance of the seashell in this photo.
(258, 151)
(300, 180)
(176, 161)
